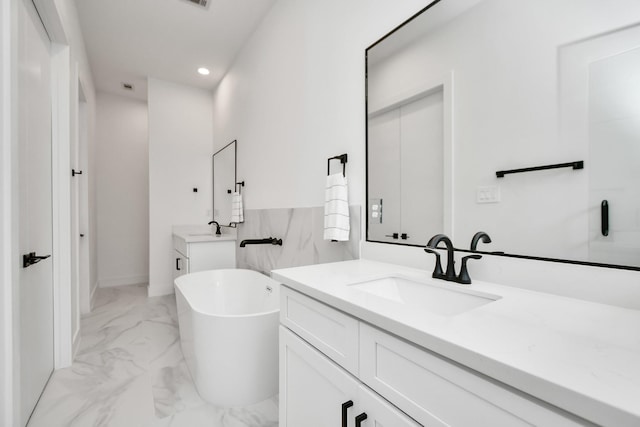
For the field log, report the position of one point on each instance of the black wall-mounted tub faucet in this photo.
(267, 241)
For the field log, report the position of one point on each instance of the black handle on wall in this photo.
(604, 217)
(345, 406)
(360, 418)
(178, 264)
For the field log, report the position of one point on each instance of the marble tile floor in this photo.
(130, 372)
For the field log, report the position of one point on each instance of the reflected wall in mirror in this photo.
(499, 85)
(224, 181)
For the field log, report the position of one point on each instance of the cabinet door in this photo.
(180, 264)
(313, 388)
(381, 413)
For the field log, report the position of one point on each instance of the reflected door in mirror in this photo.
(406, 170)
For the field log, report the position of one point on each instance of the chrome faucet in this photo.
(450, 274)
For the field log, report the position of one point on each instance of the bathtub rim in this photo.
(260, 313)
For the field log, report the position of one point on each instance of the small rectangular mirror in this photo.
(224, 181)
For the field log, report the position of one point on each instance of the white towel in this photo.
(336, 208)
(237, 211)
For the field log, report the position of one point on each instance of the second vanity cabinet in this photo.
(329, 358)
(200, 253)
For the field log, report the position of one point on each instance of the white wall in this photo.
(295, 96)
(122, 174)
(180, 159)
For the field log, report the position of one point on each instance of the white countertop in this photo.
(202, 233)
(581, 356)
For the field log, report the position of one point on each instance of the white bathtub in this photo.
(229, 334)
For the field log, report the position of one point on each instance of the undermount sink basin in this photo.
(423, 296)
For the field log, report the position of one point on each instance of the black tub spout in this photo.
(267, 241)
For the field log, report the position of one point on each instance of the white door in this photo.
(422, 167)
(83, 205)
(34, 138)
(77, 177)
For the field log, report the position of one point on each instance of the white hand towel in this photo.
(336, 208)
(237, 210)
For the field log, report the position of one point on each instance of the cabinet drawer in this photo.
(332, 332)
(436, 391)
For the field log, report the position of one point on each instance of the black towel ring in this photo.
(343, 160)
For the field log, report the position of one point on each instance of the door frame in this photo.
(62, 99)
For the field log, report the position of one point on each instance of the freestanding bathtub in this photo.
(228, 323)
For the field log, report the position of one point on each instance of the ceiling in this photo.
(130, 40)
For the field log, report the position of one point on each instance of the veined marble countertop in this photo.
(202, 233)
(580, 356)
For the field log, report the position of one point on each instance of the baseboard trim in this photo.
(112, 282)
(92, 297)
(77, 338)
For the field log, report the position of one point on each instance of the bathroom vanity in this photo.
(197, 248)
(363, 337)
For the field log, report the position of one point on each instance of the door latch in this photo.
(31, 258)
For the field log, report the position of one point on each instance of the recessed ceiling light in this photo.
(203, 71)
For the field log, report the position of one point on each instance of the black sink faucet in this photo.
(218, 232)
(450, 274)
(480, 235)
(451, 271)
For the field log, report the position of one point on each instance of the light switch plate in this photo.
(489, 194)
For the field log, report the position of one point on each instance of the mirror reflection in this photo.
(469, 88)
(224, 181)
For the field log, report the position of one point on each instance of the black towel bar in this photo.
(575, 165)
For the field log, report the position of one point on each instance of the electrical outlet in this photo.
(490, 194)
(376, 210)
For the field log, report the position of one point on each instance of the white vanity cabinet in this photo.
(328, 357)
(200, 253)
(316, 392)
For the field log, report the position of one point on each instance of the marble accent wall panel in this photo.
(301, 231)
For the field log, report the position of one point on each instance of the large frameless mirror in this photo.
(517, 118)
